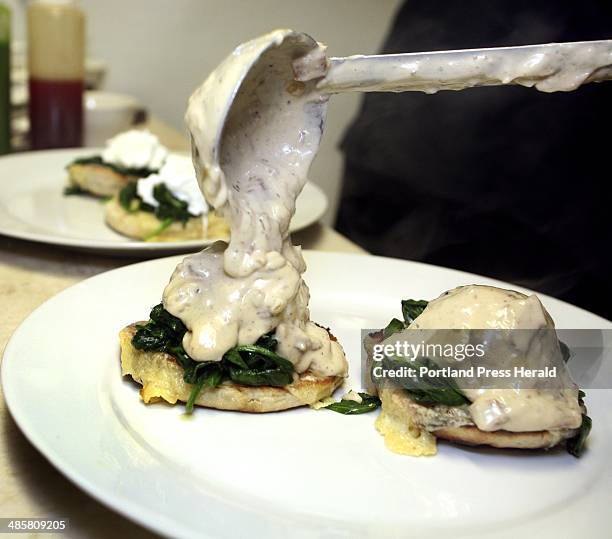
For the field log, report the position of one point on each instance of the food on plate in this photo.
(233, 348)
(128, 156)
(249, 378)
(233, 330)
(416, 413)
(165, 206)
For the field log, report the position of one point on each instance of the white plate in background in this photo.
(299, 473)
(33, 207)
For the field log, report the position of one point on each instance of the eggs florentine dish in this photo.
(415, 415)
(152, 195)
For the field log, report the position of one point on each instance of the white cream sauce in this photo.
(229, 295)
(483, 307)
(520, 409)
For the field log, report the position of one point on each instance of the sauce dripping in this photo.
(232, 294)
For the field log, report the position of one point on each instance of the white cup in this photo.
(107, 114)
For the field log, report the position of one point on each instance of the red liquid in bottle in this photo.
(56, 113)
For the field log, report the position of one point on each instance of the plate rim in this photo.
(130, 246)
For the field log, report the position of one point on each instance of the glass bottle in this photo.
(56, 58)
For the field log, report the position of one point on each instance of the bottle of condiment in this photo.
(5, 79)
(56, 59)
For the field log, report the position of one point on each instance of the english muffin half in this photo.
(98, 179)
(143, 225)
(455, 425)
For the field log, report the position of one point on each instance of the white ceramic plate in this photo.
(33, 207)
(300, 473)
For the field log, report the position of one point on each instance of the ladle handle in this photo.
(551, 67)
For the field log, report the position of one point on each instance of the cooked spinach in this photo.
(257, 365)
(250, 365)
(128, 195)
(411, 308)
(566, 353)
(74, 190)
(162, 333)
(170, 207)
(575, 446)
(394, 326)
(169, 210)
(350, 407)
(125, 171)
(427, 390)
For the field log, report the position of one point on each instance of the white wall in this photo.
(160, 50)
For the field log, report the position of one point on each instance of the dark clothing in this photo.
(507, 182)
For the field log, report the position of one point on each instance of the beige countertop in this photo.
(31, 273)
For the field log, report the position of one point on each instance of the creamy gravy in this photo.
(522, 409)
(233, 294)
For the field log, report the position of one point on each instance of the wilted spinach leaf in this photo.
(394, 326)
(575, 446)
(70, 190)
(169, 209)
(251, 365)
(411, 308)
(368, 403)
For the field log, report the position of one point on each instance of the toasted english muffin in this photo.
(141, 224)
(99, 180)
(161, 378)
(455, 424)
